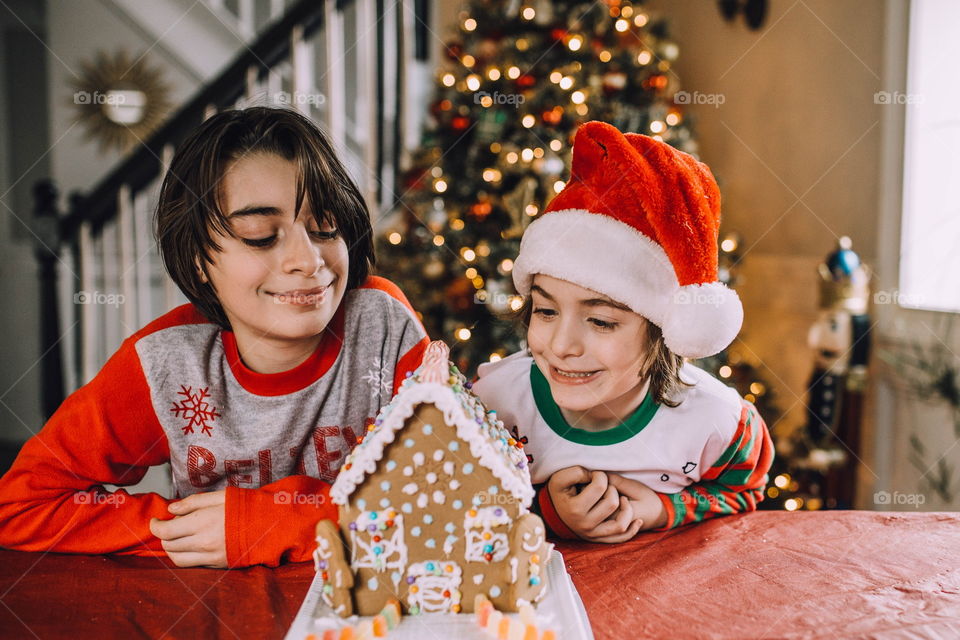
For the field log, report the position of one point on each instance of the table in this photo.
(766, 574)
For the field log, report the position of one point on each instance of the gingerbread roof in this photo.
(439, 383)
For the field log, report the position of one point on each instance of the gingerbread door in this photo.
(434, 586)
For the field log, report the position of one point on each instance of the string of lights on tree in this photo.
(517, 79)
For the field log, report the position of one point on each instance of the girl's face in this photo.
(590, 349)
(283, 276)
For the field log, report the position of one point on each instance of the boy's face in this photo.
(283, 276)
(591, 351)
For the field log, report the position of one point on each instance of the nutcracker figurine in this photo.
(840, 339)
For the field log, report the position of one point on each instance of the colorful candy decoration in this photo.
(434, 587)
(497, 625)
(483, 544)
(377, 540)
(379, 627)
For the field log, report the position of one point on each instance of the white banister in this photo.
(246, 18)
(301, 56)
(89, 362)
(252, 82)
(143, 246)
(335, 76)
(365, 119)
(390, 115)
(172, 296)
(113, 331)
(127, 251)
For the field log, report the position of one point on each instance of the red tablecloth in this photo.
(759, 575)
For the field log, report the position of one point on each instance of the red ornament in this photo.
(389, 523)
(481, 210)
(454, 50)
(415, 179)
(526, 81)
(487, 50)
(488, 557)
(460, 123)
(657, 82)
(552, 116)
(376, 538)
(459, 295)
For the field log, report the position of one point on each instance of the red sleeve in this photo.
(53, 498)
(409, 362)
(543, 505)
(413, 357)
(277, 522)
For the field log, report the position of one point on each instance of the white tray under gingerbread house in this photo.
(560, 609)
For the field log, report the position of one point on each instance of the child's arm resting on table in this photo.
(53, 499)
(736, 481)
(241, 527)
(579, 504)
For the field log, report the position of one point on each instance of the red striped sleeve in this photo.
(734, 483)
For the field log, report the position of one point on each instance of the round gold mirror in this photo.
(119, 100)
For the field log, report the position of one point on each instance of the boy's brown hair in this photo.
(189, 215)
(662, 365)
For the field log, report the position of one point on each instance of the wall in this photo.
(23, 159)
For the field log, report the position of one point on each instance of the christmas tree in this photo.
(518, 79)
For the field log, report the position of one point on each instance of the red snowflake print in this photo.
(195, 409)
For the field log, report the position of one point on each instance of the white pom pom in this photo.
(703, 319)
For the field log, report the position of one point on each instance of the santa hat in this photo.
(638, 222)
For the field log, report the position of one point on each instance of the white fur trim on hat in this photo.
(610, 257)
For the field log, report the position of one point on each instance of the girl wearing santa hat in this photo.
(620, 283)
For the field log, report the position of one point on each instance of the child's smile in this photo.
(590, 349)
(281, 279)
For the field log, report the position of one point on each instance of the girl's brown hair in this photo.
(662, 365)
(188, 214)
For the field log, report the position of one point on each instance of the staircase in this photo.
(340, 62)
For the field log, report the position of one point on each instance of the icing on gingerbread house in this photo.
(433, 507)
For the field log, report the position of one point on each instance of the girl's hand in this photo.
(594, 510)
(195, 536)
(645, 502)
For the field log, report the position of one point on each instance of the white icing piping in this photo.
(364, 459)
(536, 545)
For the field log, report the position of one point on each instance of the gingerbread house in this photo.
(433, 507)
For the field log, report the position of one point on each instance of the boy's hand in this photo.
(646, 504)
(594, 511)
(195, 536)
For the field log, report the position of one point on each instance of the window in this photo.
(930, 227)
